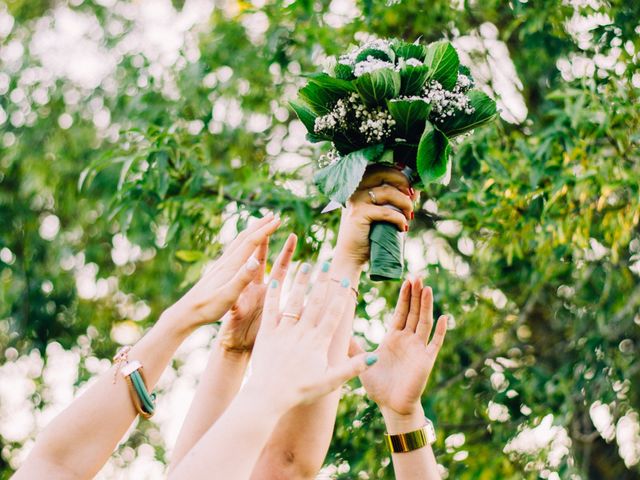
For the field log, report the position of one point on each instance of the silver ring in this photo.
(373, 197)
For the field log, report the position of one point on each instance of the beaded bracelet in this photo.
(143, 401)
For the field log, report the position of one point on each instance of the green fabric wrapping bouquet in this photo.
(391, 103)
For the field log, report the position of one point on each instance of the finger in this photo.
(414, 309)
(251, 242)
(271, 307)
(426, 315)
(281, 265)
(387, 195)
(402, 306)
(241, 279)
(252, 227)
(376, 213)
(354, 347)
(293, 308)
(332, 315)
(438, 337)
(377, 175)
(318, 298)
(261, 257)
(347, 370)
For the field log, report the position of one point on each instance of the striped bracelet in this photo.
(143, 401)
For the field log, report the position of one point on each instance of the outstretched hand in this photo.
(222, 284)
(406, 356)
(290, 356)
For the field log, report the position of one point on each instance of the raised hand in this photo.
(240, 325)
(406, 357)
(221, 285)
(380, 186)
(290, 356)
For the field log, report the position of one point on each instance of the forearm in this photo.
(218, 386)
(419, 464)
(80, 440)
(231, 447)
(300, 441)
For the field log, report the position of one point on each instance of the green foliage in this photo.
(442, 61)
(540, 274)
(376, 87)
(433, 154)
(340, 179)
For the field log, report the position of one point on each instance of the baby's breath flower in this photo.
(369, 65)
(445, 103)
(382, 45)
(351, 115)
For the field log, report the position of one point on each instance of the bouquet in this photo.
(391, 103)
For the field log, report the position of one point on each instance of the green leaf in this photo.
(323, 91)
(377, 86)
(410, 50)
(339, 180)
(305, 114)
(375, 53)
(484, 112)
(412, 79)
(344, 72)
(189, 255)
(410, 117)
(443, 62)
(433, 154)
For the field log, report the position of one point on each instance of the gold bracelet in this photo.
(407, 442)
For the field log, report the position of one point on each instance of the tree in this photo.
(118, 182)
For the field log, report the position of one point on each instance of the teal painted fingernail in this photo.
(305, 268)
(345, 283)
(325, 267)
(371, 359)
(274, 283)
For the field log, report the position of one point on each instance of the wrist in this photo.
(408, 421)
(345, 266)
(272, 403)
(175, 321)
(231, 354)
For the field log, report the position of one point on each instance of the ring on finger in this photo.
(294, 316)
(373, 197)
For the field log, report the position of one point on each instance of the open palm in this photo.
(405, 356)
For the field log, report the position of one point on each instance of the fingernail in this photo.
(371, 359)
(412, 215)
(325, 267)
(305, 268)
(412, 191)
(345, 283)
(252, 264)
(406, 228)
(274, 283)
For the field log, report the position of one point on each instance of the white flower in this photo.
(369, 65)
(382, 45)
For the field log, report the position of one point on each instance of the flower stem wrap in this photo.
(386, 258)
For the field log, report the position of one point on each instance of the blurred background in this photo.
(137, 136)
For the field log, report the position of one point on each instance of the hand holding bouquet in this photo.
(390, 103)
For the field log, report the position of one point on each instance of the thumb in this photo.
(243, 277)
(354, 347)
(349, 369)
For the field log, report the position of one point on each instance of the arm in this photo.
(397, 381)
(300, 442)
(78, 442)
(225, 370)
(291, 367)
